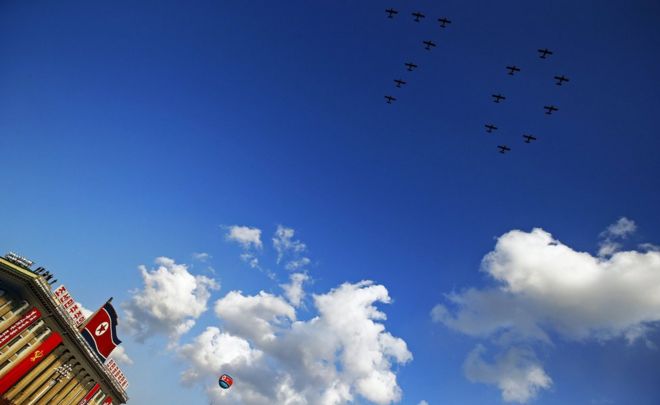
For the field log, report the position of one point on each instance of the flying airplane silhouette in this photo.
(418, 15)
(503, 148)
(544, 53)
(490, 128)
(429, 44)
(498, 97)
(513, 69)
(443, 22)
(390, 99)
(391, 12)
(561, 79)
(410, 66)
(529, 138)
(550, 109)
(399, 82)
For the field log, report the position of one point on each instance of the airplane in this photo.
(443, 22)
(550, 109)
(399, 82)
(391, 12)
(503, 148)
(544, 53)
(529, 138)
(490, 128)
(418, 15)
(498, 97)
(428, 44)
(513, 69)
(390, 99)
(561, 79)
(411, 66)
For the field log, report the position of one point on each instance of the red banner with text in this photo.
(19, 326)
(25, 365)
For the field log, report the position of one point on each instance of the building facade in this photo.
(43, 357)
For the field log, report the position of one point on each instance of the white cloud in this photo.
(517, 373)
(649, 247)
(169, 303)
(120, 356)
(254, 317)
(214, 351)
(251, 259)
(621, 229)
(86, 312)
(341, 353)
(245, 236)
(201, 257)
(545, 285)
(285, 245)
(545, 288)
(423, 402)
(250, 241)
(294, 291)
(297, 264)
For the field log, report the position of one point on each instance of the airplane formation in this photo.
(549, 109)
(427, 44)
(512, 70)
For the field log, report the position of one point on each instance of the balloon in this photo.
(225, 381)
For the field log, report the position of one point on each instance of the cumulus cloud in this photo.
(213, 350)
(545, 288)
(289, 248)
(169, 302)
(545, 285)
(254, 317)
(294, 291)
(516, 373)
(245, 236)
(423, 402)
(341, 353)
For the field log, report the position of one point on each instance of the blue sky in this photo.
(135, 131)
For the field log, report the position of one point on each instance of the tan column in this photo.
(79, 375)
(66, 388)
(50, 383)
(39, 383)
(47, 399)
(78, 392)
(81, 394)
(6, 307)
(17, 309)
(34, 373)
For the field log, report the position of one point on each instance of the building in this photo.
(43, 357)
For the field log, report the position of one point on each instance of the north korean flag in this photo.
(100, 332)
